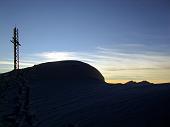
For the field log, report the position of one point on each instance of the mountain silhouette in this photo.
(74, 94)
(139, 83)
(69, 70)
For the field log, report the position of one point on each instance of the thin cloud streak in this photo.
(136, 66)
(6, 63)
(11, 63)
(136, 69)
(110, 60)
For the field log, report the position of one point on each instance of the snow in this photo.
(84, 102)
(97, 104)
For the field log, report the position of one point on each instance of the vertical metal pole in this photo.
(17, 55)
(15, 41)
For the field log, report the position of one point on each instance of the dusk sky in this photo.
(124, 39)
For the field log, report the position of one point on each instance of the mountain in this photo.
(74, 94)
(65, 71)
(145, 83)
(131, 83)
(139, 83)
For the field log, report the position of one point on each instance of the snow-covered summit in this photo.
(65, 70)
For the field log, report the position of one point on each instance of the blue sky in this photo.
(124, 39)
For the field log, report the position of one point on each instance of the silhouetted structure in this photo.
(15, 41)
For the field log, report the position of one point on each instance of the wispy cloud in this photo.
(54, 55)
(6, 63)
(111, 62)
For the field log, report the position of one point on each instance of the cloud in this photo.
(110, 60)
(112, 63)
(57, 56)
(11, 63)
(6, 63)
(54, 55)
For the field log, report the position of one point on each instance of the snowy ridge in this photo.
(87, 102)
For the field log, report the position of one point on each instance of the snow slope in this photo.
(87, 102)
(99, 105)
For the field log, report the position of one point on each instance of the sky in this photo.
(124, 39)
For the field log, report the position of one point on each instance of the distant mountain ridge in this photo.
(138, 83)
(48, 94)
(69, 70)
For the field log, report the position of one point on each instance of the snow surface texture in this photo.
(99, 105)
(93, 103)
